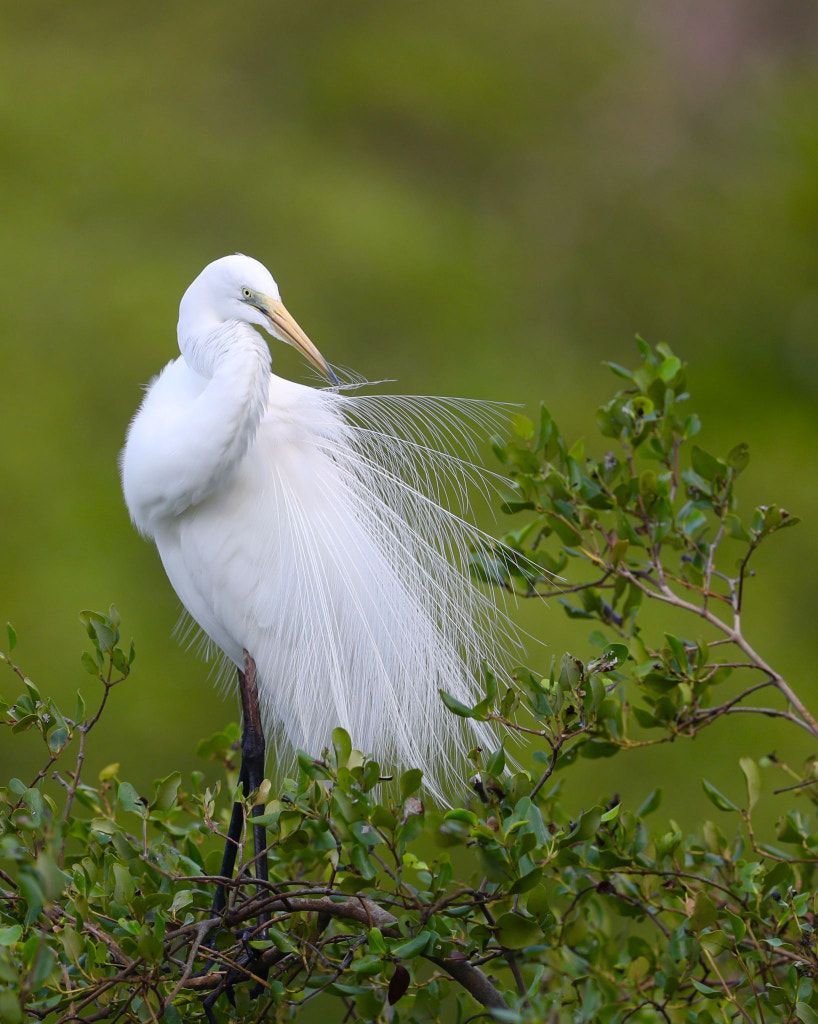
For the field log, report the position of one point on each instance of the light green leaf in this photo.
(10, 1010)
(343, 746)
(181, 899)
(10, 935)
(376, 941)
(719, 799)
(752, 776)
(805, 1013)
(669, 368)
(129, 799)
(124, 887)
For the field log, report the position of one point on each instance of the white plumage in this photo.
(311, 527)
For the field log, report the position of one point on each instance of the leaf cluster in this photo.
(513, 905)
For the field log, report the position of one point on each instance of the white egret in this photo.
(308, 532)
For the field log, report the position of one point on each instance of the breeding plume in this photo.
(310, 533)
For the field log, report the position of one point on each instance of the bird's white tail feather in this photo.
(384, 538)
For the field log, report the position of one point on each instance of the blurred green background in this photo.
(474, 198)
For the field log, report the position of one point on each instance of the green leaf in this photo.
(12, 635)
(11, 1012)
(679, 652)
(360, 859)
(669, 368)
(10, 935)
(312, 768)
(526, 882)
(129, 799)
(496, 763)
(124, 887)
(410, 781)
(522, 426)
(461, 814)
(517, 932)
(342, 744)
(57, 739)
(71, 943)
(704, 913)
(171, 1015)
(706, 465)
(182, 898)
(715, 942)
(648, 483)
(570, 671)
(92, 667)
(376, 941)
(453, 704)
(52, 879)
(738, 457)
(165, 791)
(585, 828)
(651, 804)
(612, 814)
(805, 1013)
(407, 950)
(717, 798)
(752, 776)
(620, 371)
(737, 926)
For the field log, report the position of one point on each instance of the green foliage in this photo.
(379, 908)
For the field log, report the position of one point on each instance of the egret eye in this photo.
(245, 292)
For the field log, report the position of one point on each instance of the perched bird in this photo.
(310, 533)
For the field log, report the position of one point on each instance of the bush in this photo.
(513, 908)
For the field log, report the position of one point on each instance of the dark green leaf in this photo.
(165, 791)
(410, 782)
(651, 804)
(409, 949)
(517, 932)
(453, 704)
(704, 913)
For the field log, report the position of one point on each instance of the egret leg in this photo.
(252, 759)
(231, 846)
(251, 775)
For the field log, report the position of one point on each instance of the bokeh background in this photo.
(474, 198)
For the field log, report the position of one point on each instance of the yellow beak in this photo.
(285, 328)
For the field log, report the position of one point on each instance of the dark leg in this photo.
(251, 776)
(252, 757)
(231, 845)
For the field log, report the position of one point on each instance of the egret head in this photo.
(239, 288)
